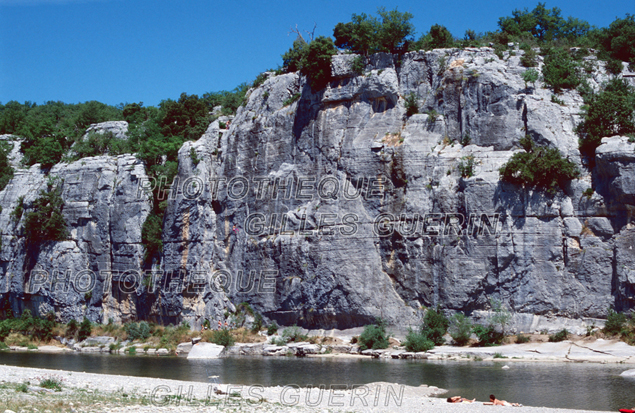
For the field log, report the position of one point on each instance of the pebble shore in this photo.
(89, 392)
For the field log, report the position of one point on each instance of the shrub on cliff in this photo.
(538, 167)
(439, 37)
(366, 34)
(435, 325)
(460, 329)
(316, 63)
(45, 222)
(608, 113)
(560, 71)
(374, 336)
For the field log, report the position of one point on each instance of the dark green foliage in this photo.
(368, 34)
(460, 329)
(45, 222)
(608, 113)
(50, 129)
(618, 40)
(439, 37)
(358, 65)
(466, 166)
(151, 234)
(539, 167)
(229, 100)
(615, 323)
(530, 76)
(543, 24)
(521, 339)
(194, 157)
(488, 335)
(71, 328)
(187, 118)
(294, 334)
(316, 63)
(560, 71)
(6, 170)
(17, 212)
(223, 338)
(137, 331)
(374, 336)
(85, 328)
(34, 327)
(272, 328)
(465, 139)
(614, 66)
(561, 335)
(96, 144)
(411, 104)
(292, 59)
(528, 59)
(257, 324)
(417, 341)
(435, 325)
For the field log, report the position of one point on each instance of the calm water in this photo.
(573, 386)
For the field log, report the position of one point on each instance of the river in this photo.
(566, 385)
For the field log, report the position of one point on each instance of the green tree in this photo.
(618, 40)
(374, 336)
(560, 72)
(539, 167)
(608, 113)
(395, 30)
(316, 63)
(45, 221)
(460, 329)
(292, 59)
(85, 329)
(435, 325)
(530, 76)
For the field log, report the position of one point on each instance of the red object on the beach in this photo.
(627, 411)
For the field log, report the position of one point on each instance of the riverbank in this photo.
(581, 350)
(89, 392)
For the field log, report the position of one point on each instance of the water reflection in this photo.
(568, 385)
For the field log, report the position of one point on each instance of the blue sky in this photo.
(118, 51)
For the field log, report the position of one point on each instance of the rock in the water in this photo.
(628, 373)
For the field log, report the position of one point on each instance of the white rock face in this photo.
(205, 351)
(628, 373)
(119, 129)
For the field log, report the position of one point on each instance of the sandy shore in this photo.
(89, 392)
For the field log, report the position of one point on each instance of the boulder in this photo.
(205, 351)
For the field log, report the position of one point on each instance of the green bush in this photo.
(223, 338)
(614, 66)
(272, 328)
(460, 329)
(358, 65)
(608, 113)
(466, 166)
(71, 328)
(487, 335)
(85, 329)
(257, 324)
(52, 383)
(417, 341)
(539, 167)
(559, 336)
(316, 63)
(412, 107)
(18, 211)
(137, 331)
(45, 222)
(374, 336)
(560, 72)
(615, 323)
(294, 334)
(151, 236)
(521, 339)
(435, 325)
(530, 76)
(528, 59)
(369, 34)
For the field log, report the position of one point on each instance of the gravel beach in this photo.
(89, 392)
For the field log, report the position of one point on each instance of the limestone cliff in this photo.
(331, 208)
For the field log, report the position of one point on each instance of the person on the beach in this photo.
(459, 399)
(493, 400)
